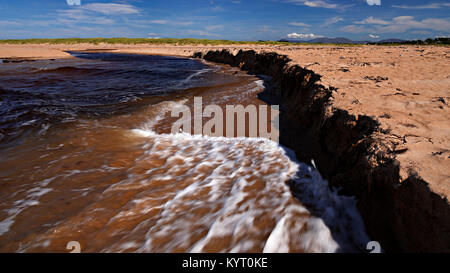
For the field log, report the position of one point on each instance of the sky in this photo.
(243, 20)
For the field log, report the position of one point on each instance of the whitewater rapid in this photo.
(123, 183)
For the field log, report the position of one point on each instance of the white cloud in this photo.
(111, 8)
(332, 21)
(374, 36)
(201, 33)
(266, 30)
(159, 22)
(374, 2)
(217, 8)
(398, 25)
(182, 23)
(9, 23)
(88, 14)
(73, 2)
(427, 6)
(371, 20)
(421, 32)
(168, 22)
(320, 4)
(303, 36)
(404, 23)
(315, 4)
(298, 24)
(72, 16)
(153, 35)
(354, 29)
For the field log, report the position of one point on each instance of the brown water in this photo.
(111, 176)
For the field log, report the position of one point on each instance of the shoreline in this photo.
(383, 109)
(121, 151)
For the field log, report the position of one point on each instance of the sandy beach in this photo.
(406, 88)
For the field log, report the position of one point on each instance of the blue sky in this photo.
(225, 19)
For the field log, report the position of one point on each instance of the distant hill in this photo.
(325, 40)
(391, 41)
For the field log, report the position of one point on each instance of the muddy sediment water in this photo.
(87, 155)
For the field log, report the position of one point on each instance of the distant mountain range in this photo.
(340, 40)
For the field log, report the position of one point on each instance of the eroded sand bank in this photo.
(405, 88)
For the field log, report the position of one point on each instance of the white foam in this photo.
(217, 189)
(32, 199)
(339, 212)
(159, 111)
(190, 77)
(239, 160)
